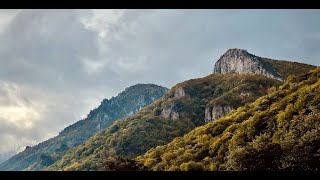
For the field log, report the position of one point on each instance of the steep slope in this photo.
(125, 104)
(179, 111)
(240, 61)
(280, 131)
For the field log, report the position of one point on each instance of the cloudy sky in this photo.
(57, 65)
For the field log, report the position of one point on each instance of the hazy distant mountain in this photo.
(125, 104)
(5, 156)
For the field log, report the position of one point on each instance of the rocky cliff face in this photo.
(171, 111)
(241, 62)
(214, 113)
(179, 93)
(216, 110)
(124, 104)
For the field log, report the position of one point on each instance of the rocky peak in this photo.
(241, 62)
(179, 93)
(238, 53)
(131, 100)
(139, 87)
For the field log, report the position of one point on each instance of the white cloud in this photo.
(29, 116)
(6, 15)
(102, 20)
(18, 116)
(92, 66)
(22, 117)
(15, 108)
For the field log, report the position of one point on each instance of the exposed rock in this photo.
(214, 113)
(241, 62)
(166, 112)
(244, 94)
(179, 93)
(207, 114)
(174, 115)
(170, 112)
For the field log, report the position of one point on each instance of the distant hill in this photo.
(125, 104)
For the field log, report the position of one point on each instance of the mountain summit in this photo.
(240, 61)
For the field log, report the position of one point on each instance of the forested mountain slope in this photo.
(280, 131)
(179, 111)
(239, 78)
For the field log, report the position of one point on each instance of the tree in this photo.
(123, 164)
(192, 166)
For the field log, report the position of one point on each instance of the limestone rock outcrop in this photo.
(241, 62)
(214, 113)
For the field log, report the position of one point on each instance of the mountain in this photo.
(279, 131)
(242, 62)
(185, 106)
(179, 111)
(131, 100)
(239, 61)
(5, 156)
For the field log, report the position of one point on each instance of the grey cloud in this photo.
(64, 69)
(36, 115)
(45, 47)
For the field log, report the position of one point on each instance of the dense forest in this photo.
(279, 131)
